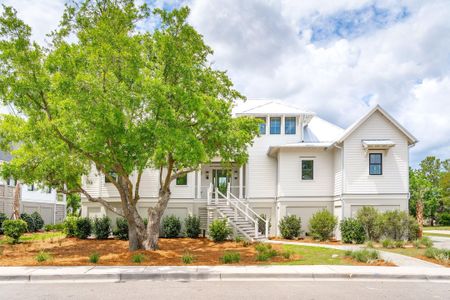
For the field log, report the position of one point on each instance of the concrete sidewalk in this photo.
(190, 273)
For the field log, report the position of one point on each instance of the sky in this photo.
(337, 58)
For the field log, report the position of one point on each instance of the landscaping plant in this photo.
(14, 229)
(364, 255)
(230, 257)
(138, 258)
(70, 226)
(369, 218)
(388, 243)
(29, 220)
(322, 225)
(121, 231)
(352, 231)
(442, 255)
(83, 228)
(171, 226)
(192, 225)
(37, 221)
(3, 218)
(102, 228)
(219, 230)
(187, 258)
(94, 257)
(290, 227)
(264, 252)
(42, 256)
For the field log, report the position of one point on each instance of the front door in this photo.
(221, 178)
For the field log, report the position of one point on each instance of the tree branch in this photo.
(103, 202)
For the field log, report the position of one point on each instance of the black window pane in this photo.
(307, 169)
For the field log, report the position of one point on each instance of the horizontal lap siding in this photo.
(395, 162)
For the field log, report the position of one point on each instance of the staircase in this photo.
(238, 214)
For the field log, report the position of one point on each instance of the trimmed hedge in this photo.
(38, 221)
(290, 227)
(83, 228)
(3, 218)
(171, 226)
(14, 229)
(29, 220)
(102, 228)
(192, 224)
(121, 231)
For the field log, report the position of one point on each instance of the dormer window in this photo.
(290, 125)
(275, 125)
(262, 126)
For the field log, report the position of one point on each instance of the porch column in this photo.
(241, 182)
(199, 180)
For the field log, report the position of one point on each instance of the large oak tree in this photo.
(106, 94)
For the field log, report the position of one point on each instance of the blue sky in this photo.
(337, 58)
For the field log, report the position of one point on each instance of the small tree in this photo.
(369, 218)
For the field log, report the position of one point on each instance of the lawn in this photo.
(428, 228)
(61, 251)
(431, 233)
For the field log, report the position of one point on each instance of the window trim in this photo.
(113, 175)
(178, 184)
(270, 130)
(263, 124)
(285, 125)
(312, 169)
(376, 164)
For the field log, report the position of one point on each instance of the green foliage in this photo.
(187, 258)
(264, 252)
(442, 255)
(3, 218)
(102, 228)
(369, 244)
(121, 231)
(443, 219)
(238, 239)
(399, 244)
(37, 221)
(364, 255)
(43, 256)
(94, 257)
(287, 254)
(171, 226)
(83, 228)
(395, 224)
(14, 229)
(70, 226)
(262, 224)
(424, 242)
(219, 230)
(29, 220)
(73, 204)
(322, 225)
(352, 231)
(369, 218)
(192, 225)
(413, 229)
(388, 243)
(137, 258)
(290, 227)
(230, 257)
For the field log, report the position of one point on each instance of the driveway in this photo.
(440, 241)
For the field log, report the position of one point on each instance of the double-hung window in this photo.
(262, 126)
(289, 125)
(275, 125)
(375, 164)
(307, 169)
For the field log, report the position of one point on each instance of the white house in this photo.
(50, 205)
(298, 165)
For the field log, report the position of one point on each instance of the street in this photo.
(228, 290)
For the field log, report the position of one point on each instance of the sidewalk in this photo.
(116, 274)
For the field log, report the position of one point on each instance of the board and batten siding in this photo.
(395, 160)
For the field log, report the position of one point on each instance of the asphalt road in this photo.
(228, 290)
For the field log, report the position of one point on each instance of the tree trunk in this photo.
(16, 206)
(419, 215)
(154, 220)
(136, 231)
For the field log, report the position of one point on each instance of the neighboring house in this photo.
(300, 164)
(50, 205)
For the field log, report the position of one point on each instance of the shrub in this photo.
(3, 218)
(352, 231)
(262, 224)
(102, 228)
(322, 225)
(171, 226)
(37, 220)
(70, 226)
(442, 255)
(230, 257)
(265, 252)
(42, 256)
(192, 224)
(138, 258)
(246, 243)
(14, 229)
(238, 239)
(413, 229)
(395, 225)
(83, 228)
(368, 216)
(94, 258)
(48, 227)
(30, 222)
(369, 244)
(219, 230)
(443, 218)
(399, 244)
(423, 241)
(121, 231)
(388, 243)
(287, 254)
(187, 258)
(364, 255)
(290, 227)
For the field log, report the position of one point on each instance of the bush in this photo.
(83, 228)
(262, 224)
(219, 230)
(171, 226)
(70, 226)
(399, 244)
(14, 229)
(121, 231)
(442, 255)
(3, 218)
(42, 256)
(94, 258)
(192, 224)
(265, 252)
(322, 225)
(138, 258)
(365, 255)
(54, 227)
(187, 258)
(388, 243)
(423, 242)
(290, 227)
(287, 254)
(230, 257)
(48, 227)
(352, 231)
(29, 220)
(368, 216)
(38, 221)
(102, 228)
(413, 229)
(395, 225)
(443, 218)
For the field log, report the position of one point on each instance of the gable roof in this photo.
(411, 139)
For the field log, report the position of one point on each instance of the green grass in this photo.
(427, 228)
(315, 256)
(37, 236)
(430, 233)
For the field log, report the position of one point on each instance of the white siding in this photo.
(395, 161)
(337, 166)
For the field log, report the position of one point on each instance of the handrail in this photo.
(237, 206)
(247, 207)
